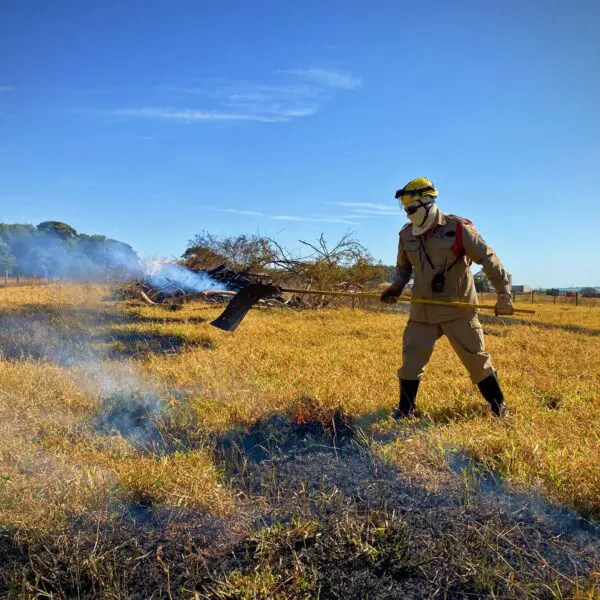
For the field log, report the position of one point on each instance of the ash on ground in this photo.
(135, 416)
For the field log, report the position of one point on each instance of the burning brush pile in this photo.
(171, 285)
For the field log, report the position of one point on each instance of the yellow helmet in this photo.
(416, 190)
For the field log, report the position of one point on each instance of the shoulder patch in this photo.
(468, 225)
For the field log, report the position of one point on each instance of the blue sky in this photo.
(150, 121)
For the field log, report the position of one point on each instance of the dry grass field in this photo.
(146, 454)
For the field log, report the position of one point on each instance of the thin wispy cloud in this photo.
(7, 88)
(367, 210)
(299, 93)
(251, 213)
(362, 217)
(366, 205)
(327, 77)
(376, 213)
(97, 92)
(313, 219)
(191, 116)
(293, 218)
(240, 90)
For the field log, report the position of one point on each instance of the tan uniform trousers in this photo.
(464, 335)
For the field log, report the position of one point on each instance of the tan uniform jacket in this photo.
(440, 244)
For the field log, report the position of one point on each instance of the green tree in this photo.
(7, 260)
(20, 239)
(120, 258)
(589, 292)
(55, 249)
(57, 228)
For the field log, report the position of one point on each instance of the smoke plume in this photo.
(161, 274)
(129, 403)
(56, 250)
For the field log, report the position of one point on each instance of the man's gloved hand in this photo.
(504, 305)
(389, 295)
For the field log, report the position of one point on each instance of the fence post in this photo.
(554, 299)
(531, 296)
(576, 298)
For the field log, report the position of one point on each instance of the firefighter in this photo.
(438, 249)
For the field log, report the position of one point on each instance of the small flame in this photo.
(300, 419)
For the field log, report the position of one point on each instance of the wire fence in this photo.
(572, 299)
(22, 281)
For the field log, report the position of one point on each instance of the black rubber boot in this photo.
(408, 396)
(491, 391)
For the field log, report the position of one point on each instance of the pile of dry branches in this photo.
(171, 294)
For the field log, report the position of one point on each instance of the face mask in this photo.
(420, 215)
(424, 216)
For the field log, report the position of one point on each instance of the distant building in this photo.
(521, 289)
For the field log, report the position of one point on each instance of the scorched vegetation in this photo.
(144, 453)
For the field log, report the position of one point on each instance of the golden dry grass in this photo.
(551, 377)
(340, 359)
(54, 465)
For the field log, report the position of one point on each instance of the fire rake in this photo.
(247, 297)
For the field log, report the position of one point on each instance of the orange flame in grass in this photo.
(300, 419)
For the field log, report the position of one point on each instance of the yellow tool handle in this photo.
(404, 299)
(218, 293)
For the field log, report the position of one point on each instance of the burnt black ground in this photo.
(433, 544)
(320, 510)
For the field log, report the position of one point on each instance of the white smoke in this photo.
(130, 403)
(161, 274)
(496, 489)
(95, 258)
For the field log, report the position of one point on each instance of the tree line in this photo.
(54, 249)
